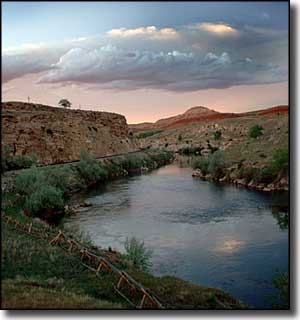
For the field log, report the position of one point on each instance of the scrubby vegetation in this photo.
(217, 135)
(281, 283)
(146, 134)
(190, 150)
(44, 190)
(256, 131)
(89, 169)
(10, 162)
(137, 253)
(277, 167)
(215, 164)
(201, 164)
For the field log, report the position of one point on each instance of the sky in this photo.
(146, 60)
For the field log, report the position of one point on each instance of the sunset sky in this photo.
(146, 60)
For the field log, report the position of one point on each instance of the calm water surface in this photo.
(209, 234)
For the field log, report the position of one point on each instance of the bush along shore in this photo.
(272, 177)
(43, 191)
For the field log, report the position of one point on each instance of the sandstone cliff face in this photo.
(58, 135)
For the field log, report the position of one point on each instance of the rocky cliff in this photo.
(57, 135)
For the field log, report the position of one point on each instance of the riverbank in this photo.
(43, 191)
(31, 263)
(270, 177)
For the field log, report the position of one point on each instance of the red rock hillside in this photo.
(200, 114)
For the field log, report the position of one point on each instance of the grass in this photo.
(146, 134)
(30, 294)
(28, 258)
(29, 262)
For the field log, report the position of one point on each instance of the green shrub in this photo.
(5, 157)
(132, 162)
(201, 164)
(281, 283)
(217, 135)
(22, 161)
(137, 253)
(180, 137)
(255, 131)
(45, 198)
(89, 169)
(27, 181)
(267, 174)
(217, 164)
(190, 150)
(248, 173)
(281, 160)
(146, 134)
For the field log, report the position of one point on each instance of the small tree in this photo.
(137, 253)
(217, 134)
(217, 164)
(255, 131)
(65, 103)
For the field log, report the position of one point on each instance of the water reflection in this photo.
(212, 235)
(230, 246)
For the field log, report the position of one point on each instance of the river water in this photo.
(219, 236)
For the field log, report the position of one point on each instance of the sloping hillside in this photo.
(201, 114)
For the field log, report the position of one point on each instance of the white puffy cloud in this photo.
(190, 58)
(220, 29)
(150, 32)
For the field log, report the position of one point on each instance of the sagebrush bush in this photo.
(201, 164)
(137, 253)
(255, 131)
(27, 181)
(217, 135)
(217, 164)
(146, 134)
(280, 160)
(23, 161)
(45, 198)
(190, 150)
(89, 169)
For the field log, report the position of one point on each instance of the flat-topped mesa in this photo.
(58, 135)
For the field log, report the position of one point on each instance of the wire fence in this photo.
(129, 289)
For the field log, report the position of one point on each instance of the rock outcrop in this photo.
(58, 135)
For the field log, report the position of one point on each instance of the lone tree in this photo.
(65, 103)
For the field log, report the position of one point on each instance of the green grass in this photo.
(32, 294)
(146, 134)
(31, 262)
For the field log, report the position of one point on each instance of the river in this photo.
(214, 235)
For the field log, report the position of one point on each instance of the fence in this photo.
(132, 291)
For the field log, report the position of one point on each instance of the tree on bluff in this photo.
(65, 103)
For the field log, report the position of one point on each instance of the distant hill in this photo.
(200, 114)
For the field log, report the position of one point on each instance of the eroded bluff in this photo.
(58, 135)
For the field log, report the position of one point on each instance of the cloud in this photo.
(199, 56)
(150, 32)
(218, 28)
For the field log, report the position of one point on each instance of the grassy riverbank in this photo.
(43, 191)
(36, 274)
